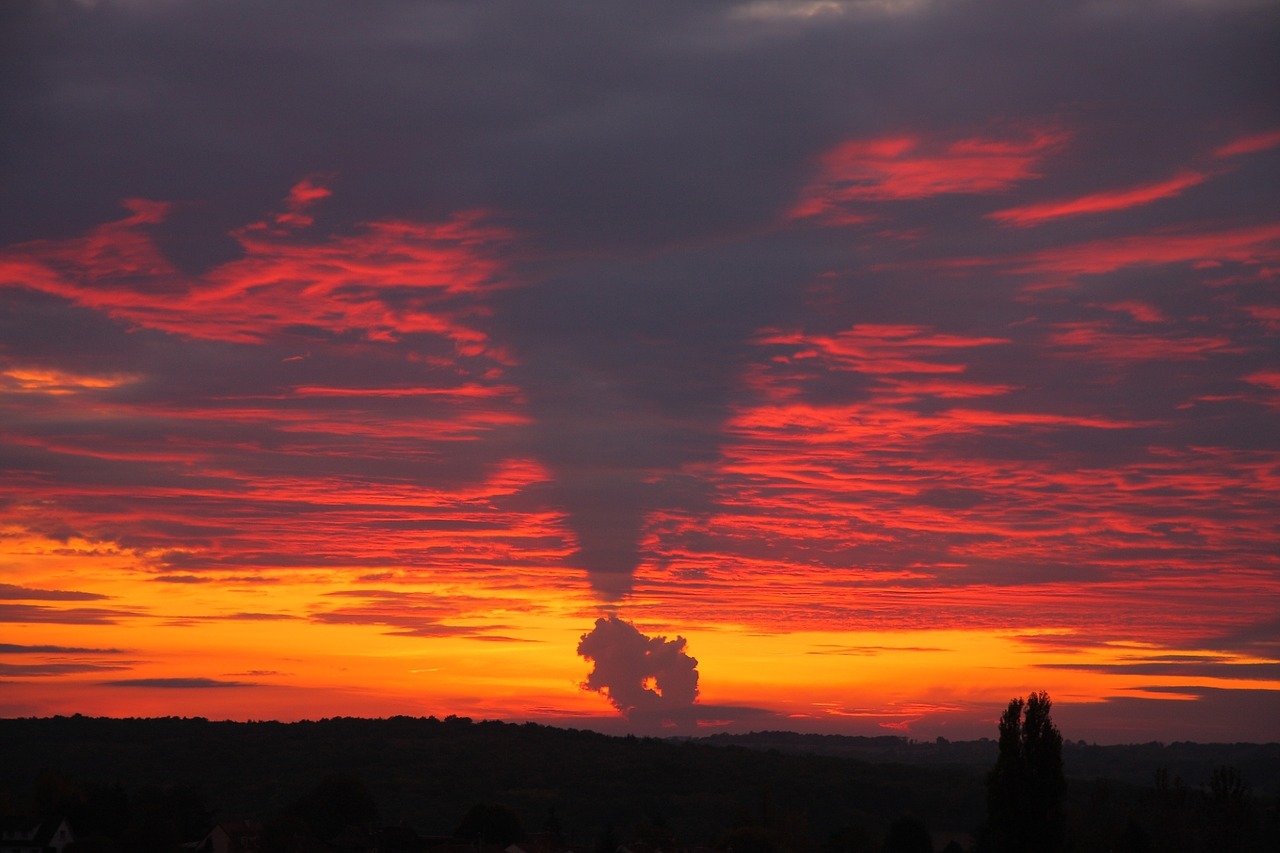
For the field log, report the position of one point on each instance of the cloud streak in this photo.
(178, 683)
(1103, 202)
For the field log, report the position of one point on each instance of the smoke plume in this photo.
(641, 676)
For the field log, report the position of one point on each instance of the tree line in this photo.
(146, 785)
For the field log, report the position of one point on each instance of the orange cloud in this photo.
(46, 381)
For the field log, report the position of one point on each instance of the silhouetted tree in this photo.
(151, 829)
(854, 838)
(908, 835)
(55, 794)
(1134, 838)
(1226, 787)
(552, 825)
(181, 809)
(1230, 810)
(653, 829)
(607, 841)
(492, 824)
(337, 802)
(93, 844)
(1169, 792)
(1027, 784)
(750, 839)
(286, 833)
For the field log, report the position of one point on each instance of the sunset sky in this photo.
(686, 367)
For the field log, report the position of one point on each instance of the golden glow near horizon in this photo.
(319, 642)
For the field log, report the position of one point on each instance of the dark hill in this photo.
(429, 772)
(1130, 764)
(803, 789)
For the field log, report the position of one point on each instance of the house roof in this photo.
(35, 832)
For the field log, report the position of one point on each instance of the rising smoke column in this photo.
(630, 371)
(641, 676)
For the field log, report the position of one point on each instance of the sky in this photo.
(664, 367)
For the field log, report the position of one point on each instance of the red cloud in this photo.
(1202, 248)
(1094, 340)
(1143, 312)
(910, 167)
(879, 348)
(1103, 202)
(392, 278)
(1249, 144)
(304, 194)
(1247, 245)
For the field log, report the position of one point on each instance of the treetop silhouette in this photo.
(1026, 787)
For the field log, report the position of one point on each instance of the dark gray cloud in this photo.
(1168, 714)
(178, 683)
(17, 649)
(63, 616)
(27, 670)
(1188, 667)
(630, 371)
(13, 592)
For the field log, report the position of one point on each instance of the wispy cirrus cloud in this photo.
(1101, 202)
(1252, 245)
(1251, 144)
(391, 278)
(900, 168)
(413, 614)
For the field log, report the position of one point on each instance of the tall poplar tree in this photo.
(1026, 787)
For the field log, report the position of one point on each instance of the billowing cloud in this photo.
(650, 677)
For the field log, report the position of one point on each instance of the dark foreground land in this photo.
(137, 786)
